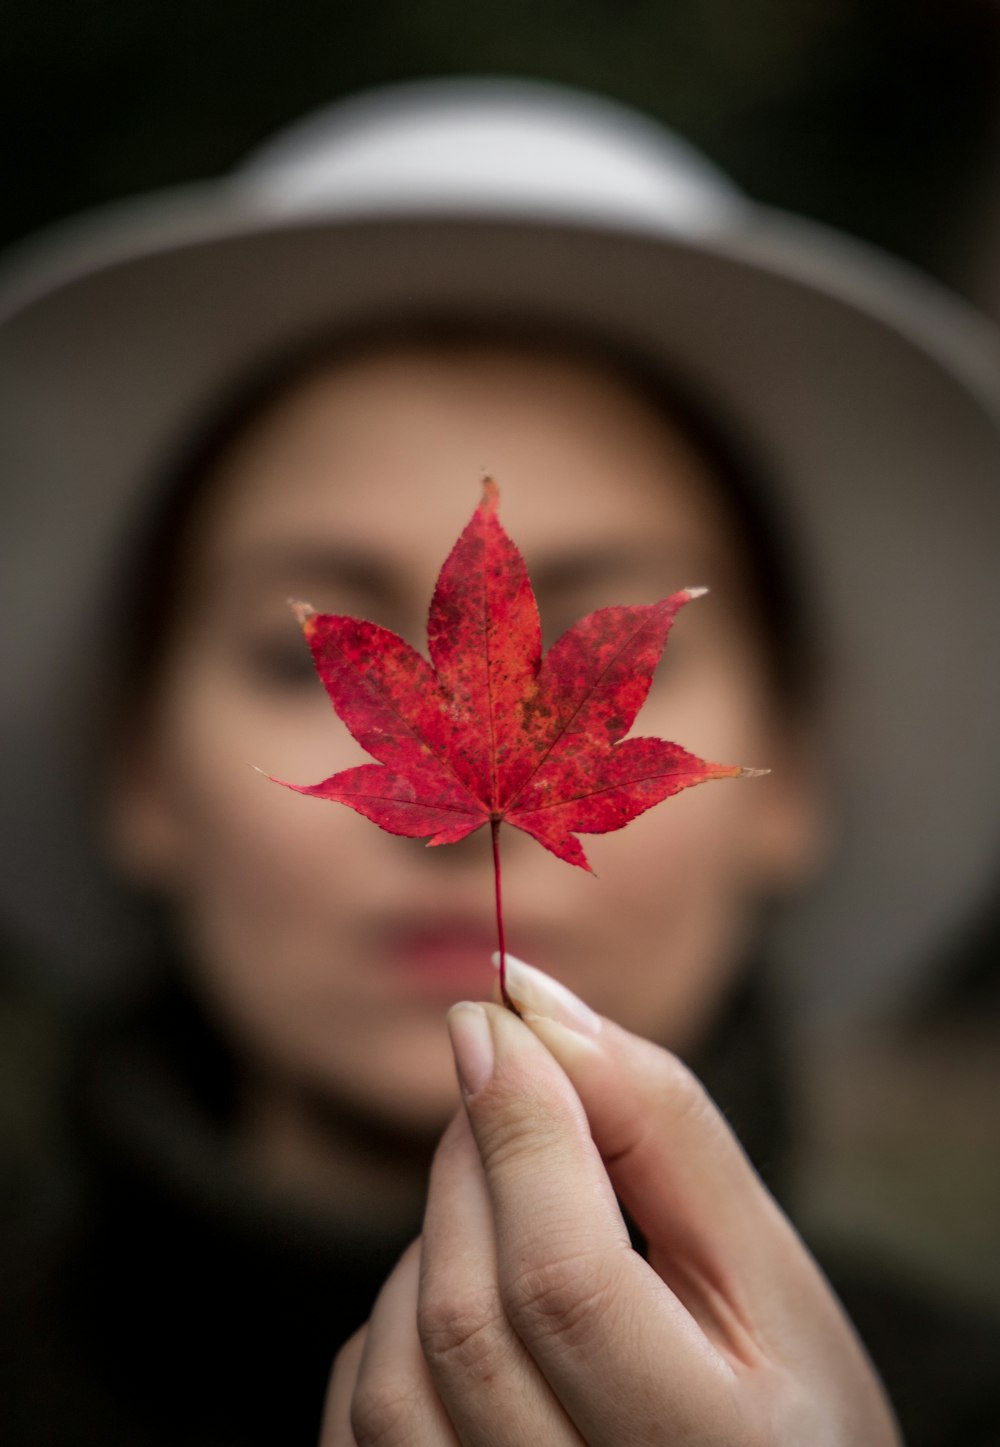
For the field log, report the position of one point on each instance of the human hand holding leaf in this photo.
(489, 731)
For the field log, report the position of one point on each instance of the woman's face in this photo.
(331, 948)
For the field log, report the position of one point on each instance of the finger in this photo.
(490, 1385)
(336, 1430)
(620, 1352)
(394, 1402)
(715, 1233)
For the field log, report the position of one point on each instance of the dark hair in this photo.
(774, 576)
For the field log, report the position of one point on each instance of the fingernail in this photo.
(472, 1044)
(538, 994)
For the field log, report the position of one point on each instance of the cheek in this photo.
(661, 932)
(248, 860)
(279, 896)
(232, 827)
(252, 881)
(676, 910)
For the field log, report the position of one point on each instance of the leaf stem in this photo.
(495, 830)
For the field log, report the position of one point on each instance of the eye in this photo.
(555, 624)
(279, 661)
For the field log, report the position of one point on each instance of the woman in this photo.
(292, 390)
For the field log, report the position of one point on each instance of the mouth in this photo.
(451, 958)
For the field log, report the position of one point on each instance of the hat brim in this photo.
(873, 400)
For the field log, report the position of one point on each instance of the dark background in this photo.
(878, 116)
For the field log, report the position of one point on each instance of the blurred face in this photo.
(331, 949)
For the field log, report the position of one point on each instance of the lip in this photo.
(443, 956)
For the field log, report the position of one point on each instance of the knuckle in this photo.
(507, 1136)
(567, 1296)
(522, 1129)
(460, 1333)
(383, 1412)
(683, 1094)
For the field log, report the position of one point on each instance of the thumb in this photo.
(672, 1158)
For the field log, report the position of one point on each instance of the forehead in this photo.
(386, 452)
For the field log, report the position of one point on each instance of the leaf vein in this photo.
(409, 730)
(575, 714)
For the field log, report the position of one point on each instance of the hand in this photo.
(524, 1318)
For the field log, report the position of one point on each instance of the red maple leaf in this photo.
(489, 731)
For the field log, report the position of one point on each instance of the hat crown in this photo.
(504, 147)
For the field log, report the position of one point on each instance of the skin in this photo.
(316, 938)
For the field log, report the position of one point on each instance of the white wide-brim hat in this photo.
(874, 397)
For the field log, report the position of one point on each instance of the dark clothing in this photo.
(184, 1305)
(177, 1301)
(940, 1362)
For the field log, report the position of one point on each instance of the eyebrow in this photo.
(362, 571)
(371, 575)
(561, 572)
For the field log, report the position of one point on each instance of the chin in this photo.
(406, 1090)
